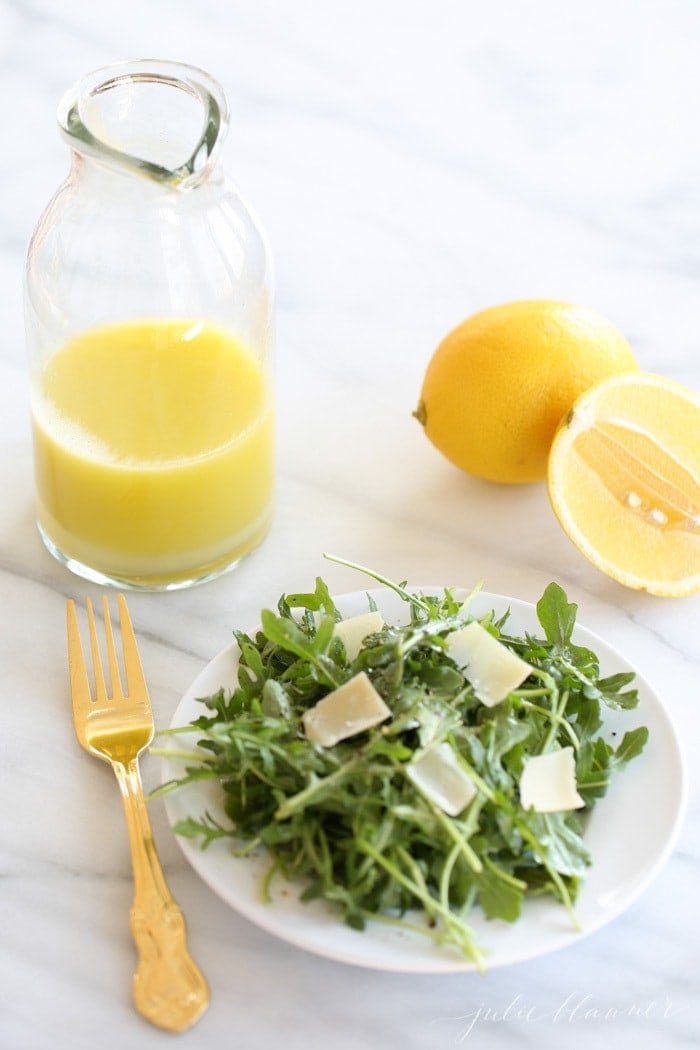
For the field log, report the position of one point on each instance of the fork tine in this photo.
(135, 678)
(100, 688)
(117, 693)
(79, 681)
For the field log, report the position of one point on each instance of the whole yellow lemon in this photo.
(498, 386)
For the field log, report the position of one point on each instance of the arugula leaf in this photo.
(560, 840)
(207, 830)
(556, 616)
(275, 702)
(500, 894)
(632, 744)
(593, 769)
(319, 600)
(611, 691)
(286, 634)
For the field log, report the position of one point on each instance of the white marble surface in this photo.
(412, 162)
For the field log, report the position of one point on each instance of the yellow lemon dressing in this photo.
(154, 449)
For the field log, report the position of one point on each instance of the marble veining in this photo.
(412, 163)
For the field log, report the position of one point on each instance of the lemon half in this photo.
(624, 481)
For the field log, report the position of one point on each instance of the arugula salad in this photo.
(413, 772)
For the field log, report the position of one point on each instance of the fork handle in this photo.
(169, 990)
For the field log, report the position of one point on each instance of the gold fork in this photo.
(168, 988)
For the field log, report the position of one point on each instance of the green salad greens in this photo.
(347, 820)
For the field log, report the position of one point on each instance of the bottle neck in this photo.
(162, 121)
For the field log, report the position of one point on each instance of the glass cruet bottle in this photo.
(149, 324)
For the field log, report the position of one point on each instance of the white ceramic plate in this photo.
(630, 832)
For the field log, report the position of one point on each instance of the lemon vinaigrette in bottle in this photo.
(150, 329)
(144, 486)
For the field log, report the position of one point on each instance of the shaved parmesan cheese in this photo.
(492, 669)
(548, 782)
(348, 710)
(438, 775)
(353, 631)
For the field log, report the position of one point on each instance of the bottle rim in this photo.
(194, 81)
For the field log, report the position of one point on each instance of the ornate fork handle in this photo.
(168, 987)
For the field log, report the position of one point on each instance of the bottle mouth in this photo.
(163, 120)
